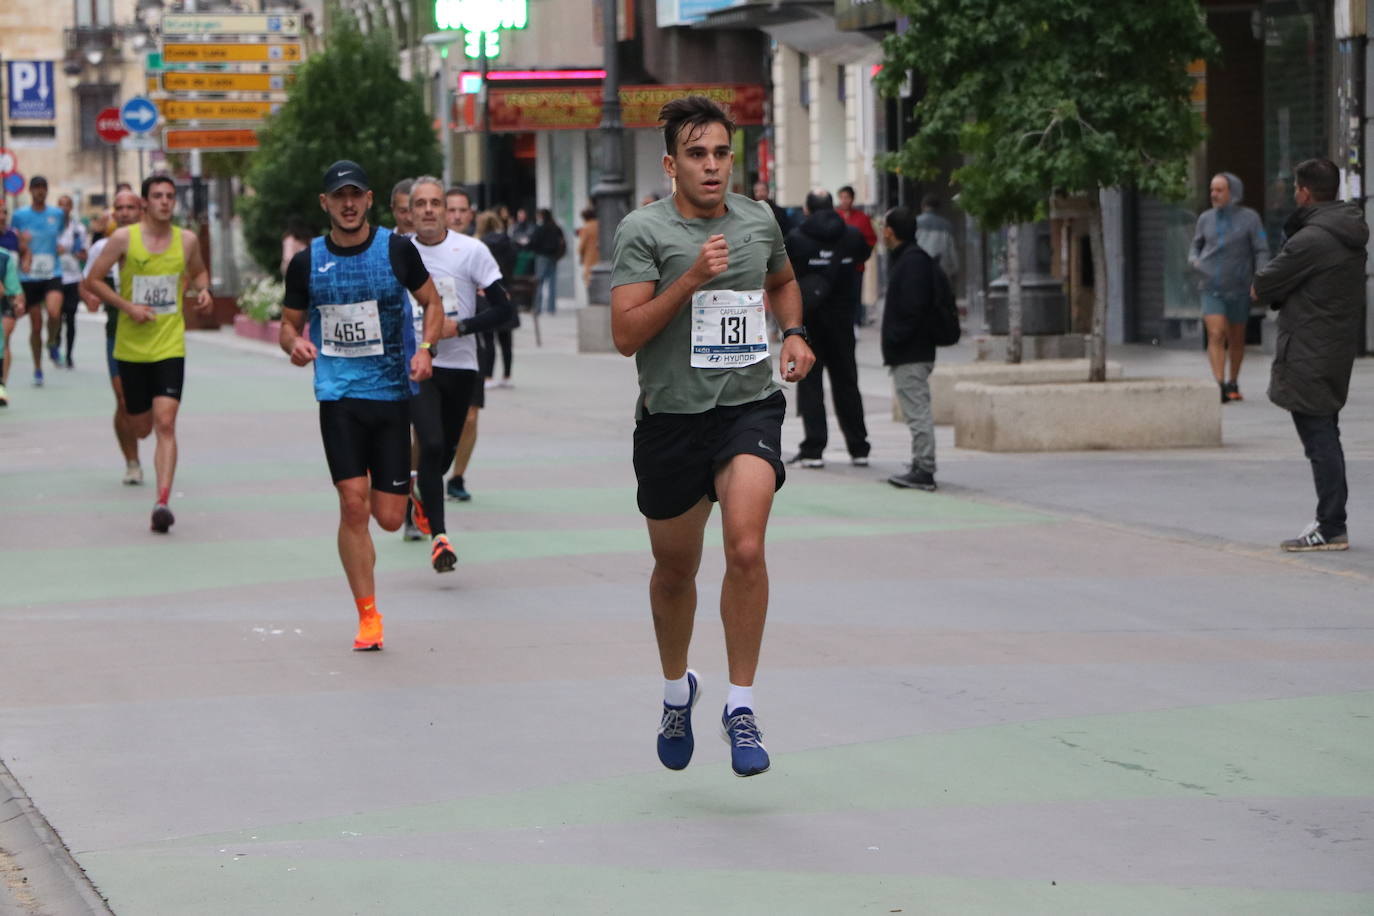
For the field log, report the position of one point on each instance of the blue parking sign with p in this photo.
(31, 92)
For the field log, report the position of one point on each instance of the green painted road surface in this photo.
(1036, 698)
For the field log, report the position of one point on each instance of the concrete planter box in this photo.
(267, 331)
(944, 378)
(1134, 414)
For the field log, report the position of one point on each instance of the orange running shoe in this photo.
(441, 555)
(369, 636)
(417, 510)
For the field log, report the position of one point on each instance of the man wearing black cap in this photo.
(351, 286)
(39, 272)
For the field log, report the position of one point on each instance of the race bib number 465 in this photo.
(728, 329)
(158, 292)
(351, 330)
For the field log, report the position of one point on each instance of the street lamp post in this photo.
(611, 193)
(443, 97)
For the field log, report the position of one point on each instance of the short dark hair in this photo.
(931, 202)
(847, 189)
(161, 178)
(902, 222)
(38, 181)
(819, 200)
(1320, 177)
(693, 113)
(457, 190)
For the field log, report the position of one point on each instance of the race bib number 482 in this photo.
(351, 330)
(157, 291)
(728, 329)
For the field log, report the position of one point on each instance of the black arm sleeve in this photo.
(406, 263)
(497, 312)
(298, 282)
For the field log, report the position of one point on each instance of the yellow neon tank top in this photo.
(153, 280)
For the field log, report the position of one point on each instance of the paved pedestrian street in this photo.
(1062, 684)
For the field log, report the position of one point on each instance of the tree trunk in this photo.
(1097, 345)
(1013, 293)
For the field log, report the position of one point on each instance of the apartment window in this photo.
(94, 13)
(804, 69)
(840, 88)
(92, 99)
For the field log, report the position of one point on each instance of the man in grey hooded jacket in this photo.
(1317, 284)
(1229, 247)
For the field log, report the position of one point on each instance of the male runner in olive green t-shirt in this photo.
(691, 274)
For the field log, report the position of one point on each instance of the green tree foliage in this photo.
(348, 102)
(1044, 97)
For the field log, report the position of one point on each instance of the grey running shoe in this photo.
(1313, 539)
(133, 475)
(411, 533)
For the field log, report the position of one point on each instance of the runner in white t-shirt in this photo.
(460, 266)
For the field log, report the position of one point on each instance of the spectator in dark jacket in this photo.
(908, 350)
(1317, 283)
(825, 255)
(549, 245)
(503, 250)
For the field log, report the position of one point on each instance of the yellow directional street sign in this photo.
(184, 81)
(174, 140)
(177, 110)
(230, 24)
(218, 52)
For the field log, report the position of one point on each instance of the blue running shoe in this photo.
(675, 744)
(748, 756)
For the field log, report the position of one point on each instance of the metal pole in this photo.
(445, 112)
(612, 194)
(487, 193)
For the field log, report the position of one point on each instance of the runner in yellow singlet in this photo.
(158, 264)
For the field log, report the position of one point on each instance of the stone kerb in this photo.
(1124, 414)
(944, 378)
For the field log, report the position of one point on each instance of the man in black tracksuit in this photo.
(825, 254)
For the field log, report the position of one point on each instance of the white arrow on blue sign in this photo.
(138, 115)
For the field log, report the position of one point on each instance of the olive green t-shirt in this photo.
(657, 243)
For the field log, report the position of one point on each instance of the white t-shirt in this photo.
(94, 255)
(460, 266)
(73, 238)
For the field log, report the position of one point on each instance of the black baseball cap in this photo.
(343, 173)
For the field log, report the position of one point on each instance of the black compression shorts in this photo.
(144, 381)
(368, 438)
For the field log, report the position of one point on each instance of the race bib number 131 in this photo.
(728, 329)
(351, 330)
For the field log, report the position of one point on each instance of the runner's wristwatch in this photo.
(798, 331)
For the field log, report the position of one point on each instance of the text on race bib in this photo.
(729, 329)
(351, 330)
(158, 292)
(448, 292)
(41, 265)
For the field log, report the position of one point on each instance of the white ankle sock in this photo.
(678, 692)
(739, 696)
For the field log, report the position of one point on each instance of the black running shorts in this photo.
(677, 455)
(144, 381)
(368, 438)
(36, 290)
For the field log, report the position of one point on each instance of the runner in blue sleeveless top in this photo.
(351, 286)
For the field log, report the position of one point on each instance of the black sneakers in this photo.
(913, 480)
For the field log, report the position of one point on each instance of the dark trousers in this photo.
(438, 413)
(832, 340)
(1321, 441)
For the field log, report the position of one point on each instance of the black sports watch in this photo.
(798, 331)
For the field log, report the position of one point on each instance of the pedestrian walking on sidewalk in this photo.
(690, 274)
(913, 284)
(1317, 284)
(1229, 247)
(826, 254)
